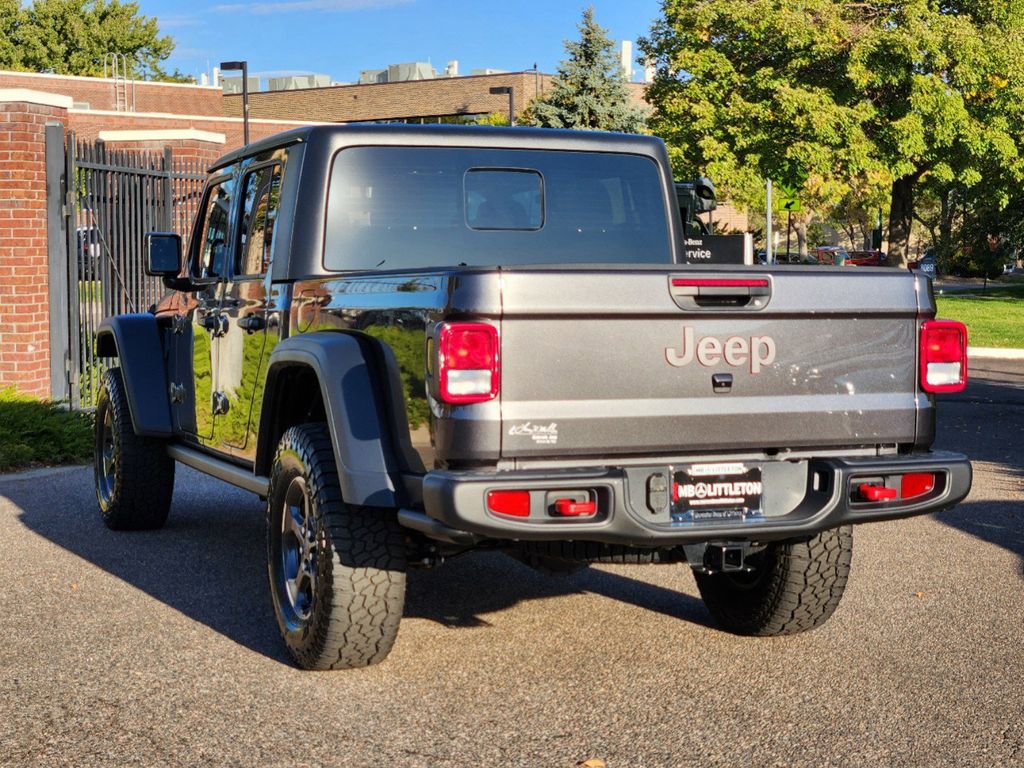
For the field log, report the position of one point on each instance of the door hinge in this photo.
(220, 404)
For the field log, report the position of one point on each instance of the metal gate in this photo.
(113, 197)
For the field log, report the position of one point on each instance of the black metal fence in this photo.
(113, 197)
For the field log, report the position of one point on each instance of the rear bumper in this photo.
(815, 495)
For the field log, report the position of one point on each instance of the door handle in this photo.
(696, 293)
(251, 323)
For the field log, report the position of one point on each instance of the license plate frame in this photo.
(717, 492)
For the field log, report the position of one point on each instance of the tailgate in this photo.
(609, 362)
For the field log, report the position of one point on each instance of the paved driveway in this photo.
(160, 648)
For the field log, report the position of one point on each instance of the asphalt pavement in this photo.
(160, 649)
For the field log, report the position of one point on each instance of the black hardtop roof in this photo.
(451, 136)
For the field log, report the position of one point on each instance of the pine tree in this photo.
(589, 92)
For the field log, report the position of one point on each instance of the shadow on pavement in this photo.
(996, 522)
(986, 422)
(485, 582)
(208, 563)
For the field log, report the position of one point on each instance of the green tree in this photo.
(12, 18)
(71, 37)
(493, 119)
(589, 92)
(865, 99)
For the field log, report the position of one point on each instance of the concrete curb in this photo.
(41, 472)
(994, 353)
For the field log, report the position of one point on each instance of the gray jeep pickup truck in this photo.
(417, 342)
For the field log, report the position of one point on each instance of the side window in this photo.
(212, 258)
(261, 190)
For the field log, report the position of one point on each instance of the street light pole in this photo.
(244, 67)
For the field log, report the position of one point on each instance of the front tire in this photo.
(337, 571)
(134, 476)
(795, 586)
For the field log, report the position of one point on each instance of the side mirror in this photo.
(163, 254)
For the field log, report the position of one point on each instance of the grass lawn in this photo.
(34, 433)
(993, 319)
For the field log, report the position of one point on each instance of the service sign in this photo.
(718, 249)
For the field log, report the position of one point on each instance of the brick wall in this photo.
(98, 92)
(727, 218)
(416, 98)
(88, 125)
(24, 301)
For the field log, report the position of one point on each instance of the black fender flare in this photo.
(134, 339)
(356, 412)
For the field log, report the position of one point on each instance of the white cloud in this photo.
(177, 22)
(286, 6)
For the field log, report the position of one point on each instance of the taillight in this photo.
(716, 282)
(467, 364)
(943, 356)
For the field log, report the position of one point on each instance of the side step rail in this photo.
(222, 470)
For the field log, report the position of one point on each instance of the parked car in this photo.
(782, 257)
(869, 258)
(414, 342)
(830, 254)
(839, 256)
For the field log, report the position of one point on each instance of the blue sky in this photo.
(341, 37)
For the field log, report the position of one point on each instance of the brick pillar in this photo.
(24, 301)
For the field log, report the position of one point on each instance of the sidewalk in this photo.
(994, 353)
(948, 284)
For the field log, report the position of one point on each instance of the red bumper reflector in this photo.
(511, 503)
(572, 508)
(877, 492)
(912, 486)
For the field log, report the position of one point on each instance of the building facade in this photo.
(441, 99)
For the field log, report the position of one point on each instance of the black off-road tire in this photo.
(134, 476)
(796, 586)
(337, 571)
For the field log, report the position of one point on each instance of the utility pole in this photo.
(789, 229)
(244, 66)
(768, 257)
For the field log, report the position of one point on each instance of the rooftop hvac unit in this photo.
(295, 82)
(234, 84)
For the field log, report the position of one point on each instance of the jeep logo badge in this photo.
(735, 351)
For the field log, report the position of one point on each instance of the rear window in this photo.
(407, 208)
